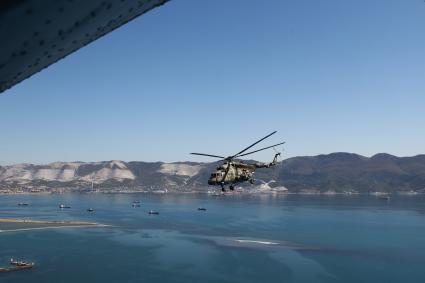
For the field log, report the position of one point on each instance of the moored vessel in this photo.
(64, 206)
(17, 265)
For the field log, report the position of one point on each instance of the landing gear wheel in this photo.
(251, 181)
(231, 187)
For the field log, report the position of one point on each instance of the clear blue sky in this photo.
(213, 76)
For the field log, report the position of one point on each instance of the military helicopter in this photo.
(235, 171)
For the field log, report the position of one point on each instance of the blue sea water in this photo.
(240, 238)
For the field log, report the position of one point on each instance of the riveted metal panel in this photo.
(35, 34)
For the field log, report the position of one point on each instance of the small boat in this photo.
(22, 204)
(17, 265)
(384, 197)
(136, 201)
(202, 209)
(153, 212)
(20, 263)
(135, 205)
(61, 206)
(90, 210)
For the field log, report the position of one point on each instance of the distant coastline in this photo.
(218, 191)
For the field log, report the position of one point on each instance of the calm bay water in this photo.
(248, 238)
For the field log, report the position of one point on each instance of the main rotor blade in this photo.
(260, 149)
(242, 151)
(210, 155)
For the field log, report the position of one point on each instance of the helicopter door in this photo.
(220, 176)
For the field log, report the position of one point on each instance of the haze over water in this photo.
(240, 238)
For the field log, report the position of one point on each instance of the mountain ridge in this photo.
(339, 172)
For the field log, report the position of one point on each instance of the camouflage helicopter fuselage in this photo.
(238, 172)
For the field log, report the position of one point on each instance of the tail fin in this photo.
(274, 162)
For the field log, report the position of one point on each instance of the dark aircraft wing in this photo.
(36, 33)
